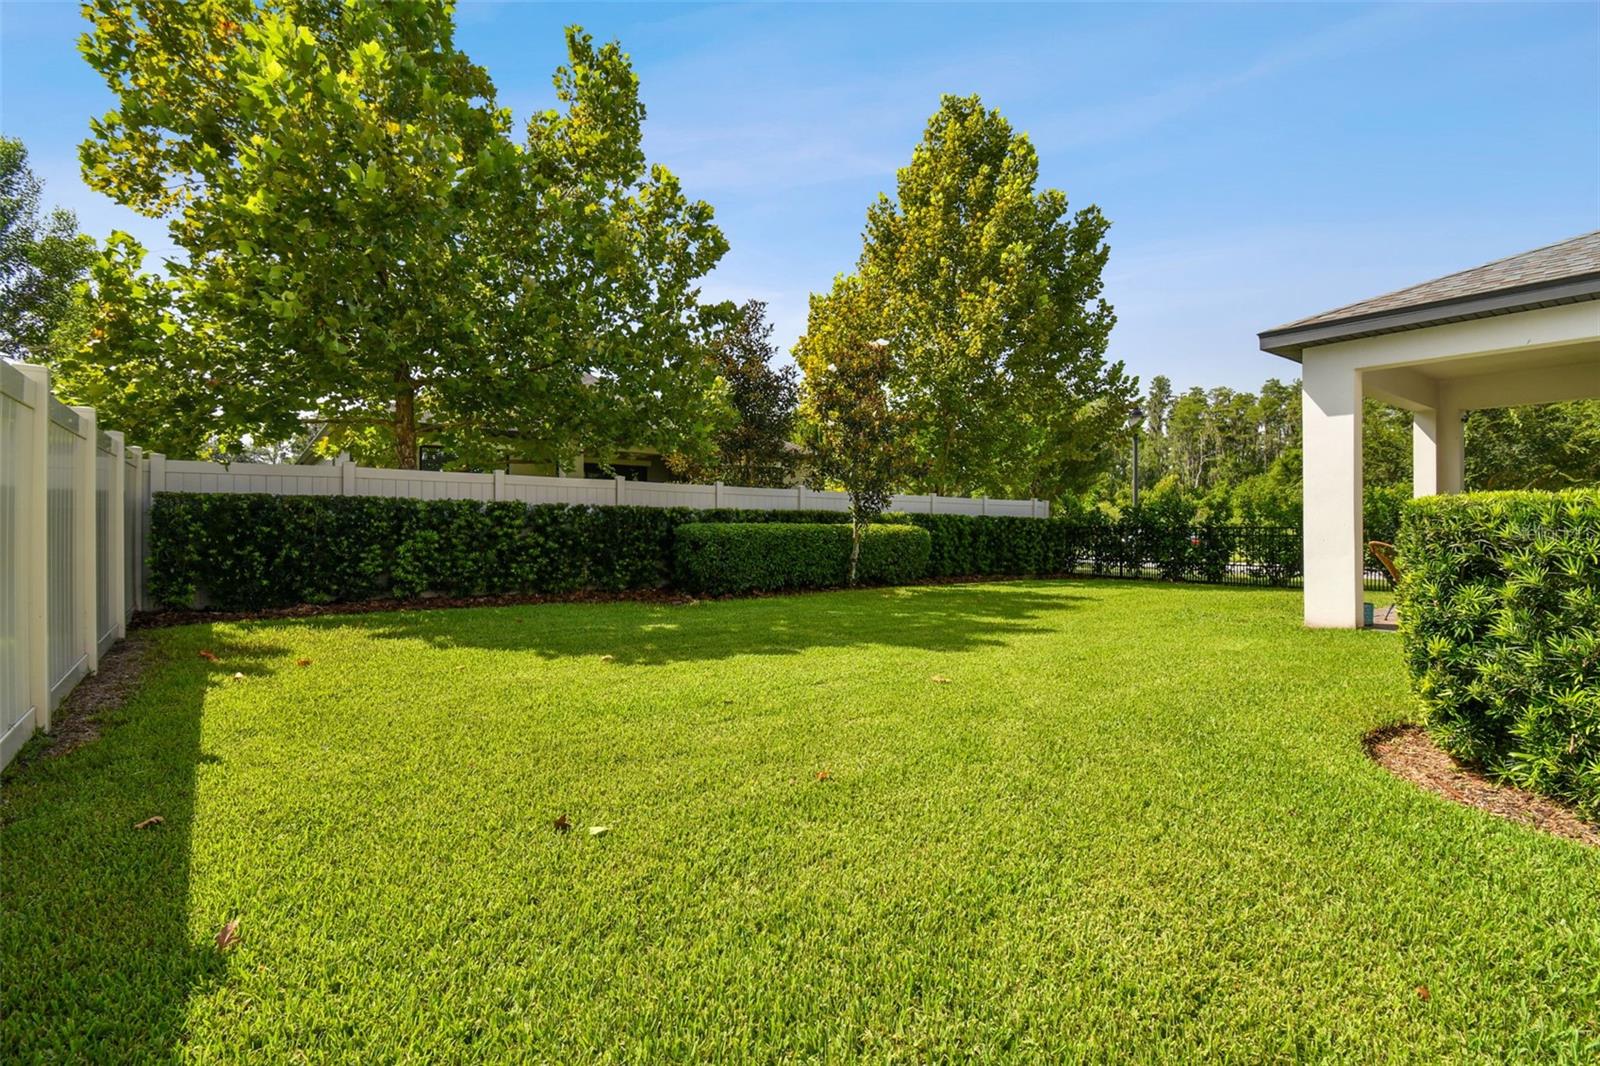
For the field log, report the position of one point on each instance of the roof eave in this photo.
(1290, 341)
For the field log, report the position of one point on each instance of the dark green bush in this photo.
(1500, 618)
(244, 550)
(722, 558)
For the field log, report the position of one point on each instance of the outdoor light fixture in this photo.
(1135, 422)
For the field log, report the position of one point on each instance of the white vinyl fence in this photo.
(75, 520)
(67, 491)
(348, 479)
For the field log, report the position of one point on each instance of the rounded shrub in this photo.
(1500, 618)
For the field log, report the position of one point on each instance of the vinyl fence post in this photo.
(716, 494)
(983, 505)
(799, 497)
(617, 483)
(347, 475)
(35, 555)
(135, 534)
(500, 485)
(933, 503)
(155, 480)
(84, 544)
(116, 544)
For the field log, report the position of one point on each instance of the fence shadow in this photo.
(930, 618)
(97, 957)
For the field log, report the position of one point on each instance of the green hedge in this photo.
(242, 550)
(246, 551)
(1500, 617)
(720, 558)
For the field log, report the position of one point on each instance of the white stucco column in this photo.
(1331, 424)
(1424, 453)
(1452, 451)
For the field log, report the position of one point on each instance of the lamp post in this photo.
(1135, 422)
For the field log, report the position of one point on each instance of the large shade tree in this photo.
(989, 291)
(383, 255)
(43, 258)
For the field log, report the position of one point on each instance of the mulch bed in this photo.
(77, 721)
(1408, 752)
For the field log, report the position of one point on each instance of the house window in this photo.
(626, 471)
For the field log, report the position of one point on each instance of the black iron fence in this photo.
(1214, 553)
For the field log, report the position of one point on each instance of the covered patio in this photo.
(1520, 330)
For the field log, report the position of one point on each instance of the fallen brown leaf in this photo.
(302, 662)
(228, 935)
(824, 775)
(1422, 992)
(154, 819)
(563, 824)
(208, 655)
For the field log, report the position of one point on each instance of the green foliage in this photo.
(248, 550)
(1500, 614)
(42, 259)
(721, 558)
(854, 433)
(990, 293)
(1547, 446)
(357, 216)
(756, 449)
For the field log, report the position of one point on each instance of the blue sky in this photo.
(1258, 162)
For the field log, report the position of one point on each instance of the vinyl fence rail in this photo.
(348, 479)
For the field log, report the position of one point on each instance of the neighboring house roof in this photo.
(1565, 272)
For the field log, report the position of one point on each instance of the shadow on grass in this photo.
(97, 961)
(932, 618)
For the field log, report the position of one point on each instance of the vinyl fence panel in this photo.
(20, 398)
(350, 479)
(69, 536)
(70, 548)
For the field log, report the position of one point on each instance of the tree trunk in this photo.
(855, 546)
(405, 422)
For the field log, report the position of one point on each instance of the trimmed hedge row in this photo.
(973, 546)
(1500, 618)
(246, 550)
(252, 550)
(719, 558)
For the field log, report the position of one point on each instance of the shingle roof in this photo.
(1488, 289)
(1570, 258)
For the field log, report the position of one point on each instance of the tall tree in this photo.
(990, 293)
(1548, 446)
(756, 448)
(853, 431)
(357, 216)
(43, 257)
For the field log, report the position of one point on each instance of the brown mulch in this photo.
(77, 721)
(1408, 752)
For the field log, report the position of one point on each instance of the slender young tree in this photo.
(852, 430)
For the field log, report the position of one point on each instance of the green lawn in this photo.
(1135, 823)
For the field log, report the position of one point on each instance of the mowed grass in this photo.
(1135, 823)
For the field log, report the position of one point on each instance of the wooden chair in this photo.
(1383, 551)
